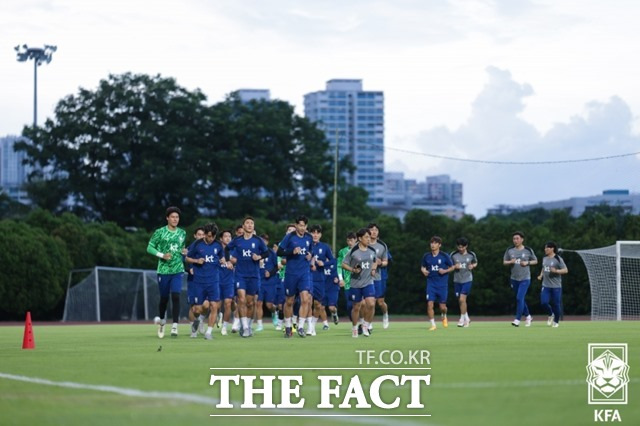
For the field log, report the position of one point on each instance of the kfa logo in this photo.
(608, 373)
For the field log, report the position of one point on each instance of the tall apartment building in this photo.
(353, 119)
(13, 174)
(437, 194)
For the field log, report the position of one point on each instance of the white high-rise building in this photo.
(13, 174)
(354, 119)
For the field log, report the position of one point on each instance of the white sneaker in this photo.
(354, 333)
(550, 320)
(461, 322)
(365, 331)
(555, 325)
(223, 331)
(202, 327)
(260, 327)
(515, 323)
(527, 321)
(466, 324)
(174, 330)
(279, 327)
(385, 321)
(236, 325)
(194, 334)
(208, 336)
(312, 332)
(160, 323)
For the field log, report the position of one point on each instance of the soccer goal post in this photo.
(614, 278)
(114, 294)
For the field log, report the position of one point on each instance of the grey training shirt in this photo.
(550, 279)
(463, 275)
(365, 259)
(520, 273)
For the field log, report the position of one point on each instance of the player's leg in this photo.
(515, 286)
(556, 305)
(164, 290)
(355, 296)
(431, 314)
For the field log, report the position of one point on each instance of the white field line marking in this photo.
(192, 398)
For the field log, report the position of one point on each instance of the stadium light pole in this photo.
(39, 55)
(335, 195)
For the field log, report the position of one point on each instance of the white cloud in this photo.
(495, 132)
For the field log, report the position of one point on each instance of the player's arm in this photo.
(507, 259)
(562, 270)
(152, 247)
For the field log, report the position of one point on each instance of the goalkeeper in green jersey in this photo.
(167, 244)
(343, 275)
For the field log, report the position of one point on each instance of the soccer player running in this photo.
(247, 251)
(191, 287)
(553, 267)
(268, 280)
(344, 276)
(382, 259)
(206, 256)
(361, 262)
(464, 261)
(322, 256)
(295, 247)
(520, 257)
(167, 243)
(227, 287)
(436, 266)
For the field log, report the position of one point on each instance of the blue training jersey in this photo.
(211, 253)
(433, 265)
(269, 264)
(321, 251)
(384, 270)
(297, 264)
(243, 249)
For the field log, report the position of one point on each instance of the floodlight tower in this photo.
(39, 55)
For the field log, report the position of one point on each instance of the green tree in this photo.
(34, 270)
(274, 158)
(123, 152)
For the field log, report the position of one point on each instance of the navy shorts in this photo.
(169, 283)
(331, 292)
(381, 288)
(437, 293)
(357, 294)
(462, 288)
(295, 284)
(318, 290)
(207, 291)
(251, 285)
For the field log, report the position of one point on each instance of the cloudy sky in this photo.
(482, 80)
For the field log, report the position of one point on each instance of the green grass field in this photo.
(488, 374)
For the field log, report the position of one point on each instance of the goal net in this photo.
(614, 277)
(114, 294)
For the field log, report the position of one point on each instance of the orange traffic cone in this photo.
(27, 341)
